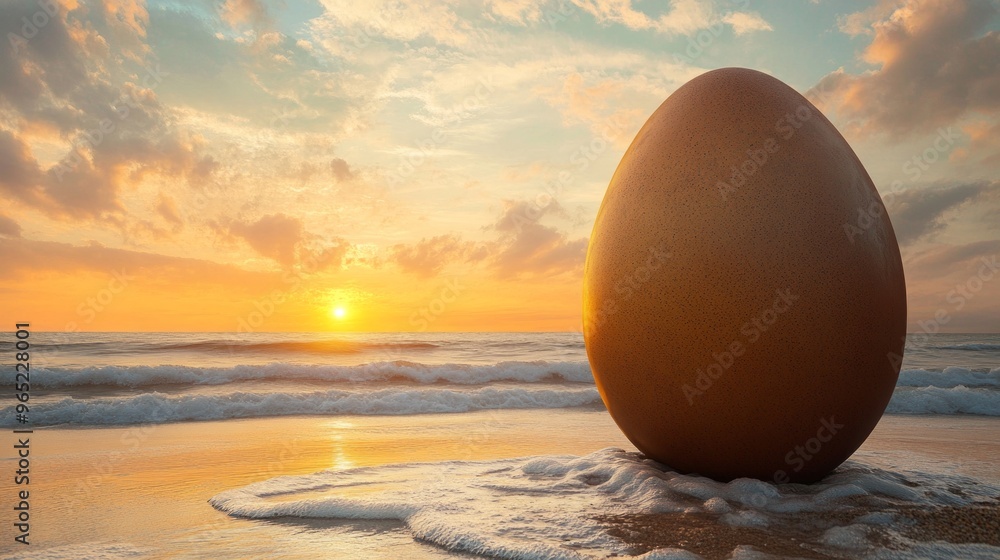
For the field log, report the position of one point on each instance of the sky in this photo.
(405, 165)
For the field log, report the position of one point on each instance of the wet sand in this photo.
(968, 445)
(801, 535)
(147, 487)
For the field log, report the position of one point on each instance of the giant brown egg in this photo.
(744, 300)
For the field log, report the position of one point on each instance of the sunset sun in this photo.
(338, 312)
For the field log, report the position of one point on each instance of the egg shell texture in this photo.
(744, 299)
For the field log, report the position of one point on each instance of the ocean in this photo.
(381, 404)
(97, 379)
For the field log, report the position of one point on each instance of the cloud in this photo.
(523, 248)
(341, 170)
(20, 174)
(60, 87)
(521, 12)
(528, 248)
(540, 250)
(983, 146)
(955, 288)
(25, 258)
(683, 17)
(275, 236)
(935, 62)
(613, 104)
(351, 23)
(860, 23)
(332, 254)
(245, 12)
(48, 62)
(746, 22)
(166, 207)
(429, 256)
(8, 227)
(125, 22)
(920, 212)
(947, 259)
(285, 240)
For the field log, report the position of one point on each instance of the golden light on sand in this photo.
(338, 312)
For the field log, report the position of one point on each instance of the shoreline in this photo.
(149, 485)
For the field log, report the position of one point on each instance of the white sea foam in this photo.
(392, 388)
(158, 407)
(547, 507)
(938, 400)
(146, 376)
(525, 372)
(950, 377)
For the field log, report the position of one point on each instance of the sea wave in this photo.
(155, 408)
(387, 388)
(557, 506)
(939, 400)
(400, 370)
(950, 377)
(149, 376)
(972, 346)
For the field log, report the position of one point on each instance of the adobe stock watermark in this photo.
(581, 158)
(290, 451)
(30, 26)
(366, 35)
(698, 43)
(958, 297)
(132, 440)
(560, 14)
(785, 127)
(266, 306)
(423, 317)
(941, 145)
(376, 27)
(752, 331)
(628, 285)
(800, 455)
(447, 294)
(914, 168)
(94, 137)
(610, 130)
(91, 306)
(454, 116)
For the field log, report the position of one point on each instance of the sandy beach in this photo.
(149, 486)
(144, 490)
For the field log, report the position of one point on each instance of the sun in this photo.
(338, 312)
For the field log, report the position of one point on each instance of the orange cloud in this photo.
(528, 248)
(8, 227)
(240, 12)
(341, 171)
(936, 63)
(921, 212)
(111, 137)
(428, 257)
(275, 236)
(166, 207)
